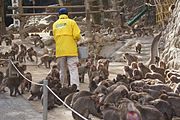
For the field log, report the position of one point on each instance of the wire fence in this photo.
(45, 92)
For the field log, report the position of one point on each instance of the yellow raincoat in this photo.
(66, 34)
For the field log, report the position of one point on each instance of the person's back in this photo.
(66, 34)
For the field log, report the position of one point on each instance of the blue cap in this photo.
(63, 11)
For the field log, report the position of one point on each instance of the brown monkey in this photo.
(83, 69)
(134, 65)
(138, 47)
(31, 52)
(157, 60)
(46, 60)
(162, 64)
(147, 111)
(143, 69)
(25, 83)
(155, 76)
(164, 107)
(22, 54)
(90, 106)
(128, 71)
(51, 100)
(174, 79)
(36, 91)
(79, 94)
(15, 47)
(137, 74)
(128, 110)
(110, 112)
(130, 58)
(155, 69)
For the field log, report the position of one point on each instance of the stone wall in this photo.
(171, 38)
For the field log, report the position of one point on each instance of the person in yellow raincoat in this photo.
(66, 35)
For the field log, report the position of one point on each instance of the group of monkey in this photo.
(21, 53)
(142, 92)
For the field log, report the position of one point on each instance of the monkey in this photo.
(128, 110)
(122, 78)
(138, 47)
(155, 69)
(92, 86)
(164, 107)
(162, 65)
(13, 82)
(174, 102)
(65, 91)
(147, 111)
(68, 99)
(105, 62)
(79, 94)
(101, 89)
(158, 87)
(83, 69)
(118, 93)
(134, 65)
(110, 112)
(8, 41)
(35, 91)
(174, 79)
(15, 48)
(51, 100)
(137, 74)
(31, 52)
(155, 76)
(171, 8)
(128, 71)
(22, 54)
(90, 106)
(130, 58)
(143, 69)
(157, 60)
(25, 83)
(103, 71)
(54, 73)
(46, 60)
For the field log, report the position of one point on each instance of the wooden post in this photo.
(88, 17)
(2, 19)
(21, 20)
(102, 13)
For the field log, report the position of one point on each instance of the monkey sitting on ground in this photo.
(155, 69)
(31, 52)
(36, 91)
(130, 58)
(155, 75)
(22, 54)
(137, 74)
(83, 69)
(89, 106)
(26, 84)
(143, 69)
(13, 82)
(46, 60)
(138, 47)
(128, 71)
(110, 112)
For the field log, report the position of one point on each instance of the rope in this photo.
(66, 104)
(23, 75)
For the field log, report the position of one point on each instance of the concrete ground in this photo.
(17, 109)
